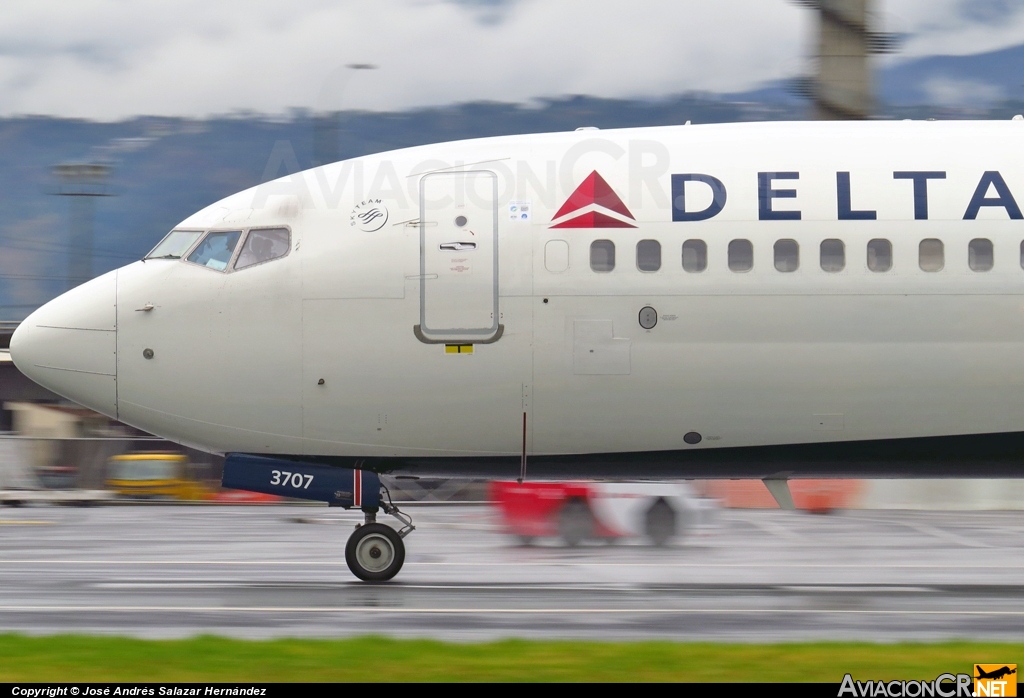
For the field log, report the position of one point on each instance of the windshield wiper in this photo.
(166, 256)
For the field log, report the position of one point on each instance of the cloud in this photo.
(488, 11)
(949, 92)
(989, 11)
(110, 59)
(954, 27)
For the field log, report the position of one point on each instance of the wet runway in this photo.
(279, 571)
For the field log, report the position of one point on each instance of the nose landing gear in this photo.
(375, 552)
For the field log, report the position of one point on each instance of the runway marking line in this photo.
(623, 587)
(465, 611)
(16, 522)
(617, 587)
(948, 536)
(612, 586)
(560, 562)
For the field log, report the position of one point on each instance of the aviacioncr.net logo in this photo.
(995, 680)
(942, 686)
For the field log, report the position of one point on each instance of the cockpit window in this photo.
(263, 246)
(216, 249)
(175, 244)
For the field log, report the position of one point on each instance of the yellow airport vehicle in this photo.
(153, 475)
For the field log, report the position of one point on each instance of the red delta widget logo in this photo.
(594, 204)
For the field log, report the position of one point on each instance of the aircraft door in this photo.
(459, 257)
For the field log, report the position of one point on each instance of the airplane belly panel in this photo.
(796, 369)
(596, 351)
(371, 388)
(215, 360)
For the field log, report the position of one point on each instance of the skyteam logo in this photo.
(369, 215)
(594, 204)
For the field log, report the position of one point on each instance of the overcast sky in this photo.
(109, 59)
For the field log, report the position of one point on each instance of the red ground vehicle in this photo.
(579, 511)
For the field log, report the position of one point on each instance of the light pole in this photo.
(326, 120)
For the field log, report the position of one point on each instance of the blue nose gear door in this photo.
(340, 487)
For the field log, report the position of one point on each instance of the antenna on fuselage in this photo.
(522, 462)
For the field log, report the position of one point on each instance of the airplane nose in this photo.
(68, 345)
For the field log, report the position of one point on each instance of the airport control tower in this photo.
(82, 183)
(848, 34)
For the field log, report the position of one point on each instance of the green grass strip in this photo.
(73, 658)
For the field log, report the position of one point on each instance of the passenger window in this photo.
(741, 255)
(833, 255)
(648, 255)
(263, 246)
(879, 255)
(695, 256)
(979, 254)
(602, 255)
(930, 255)
(787, 255)
(216, 249)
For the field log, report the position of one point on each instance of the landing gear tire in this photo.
(660, 523)
(575, 522)
(375, 552)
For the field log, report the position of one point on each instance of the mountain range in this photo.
(163, 169)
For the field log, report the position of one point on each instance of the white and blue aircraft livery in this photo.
(745, 300)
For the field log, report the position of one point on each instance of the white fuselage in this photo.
(477, 302)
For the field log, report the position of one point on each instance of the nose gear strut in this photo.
(390, 508)
(376, 552)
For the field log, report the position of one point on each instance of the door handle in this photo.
(458, 246)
